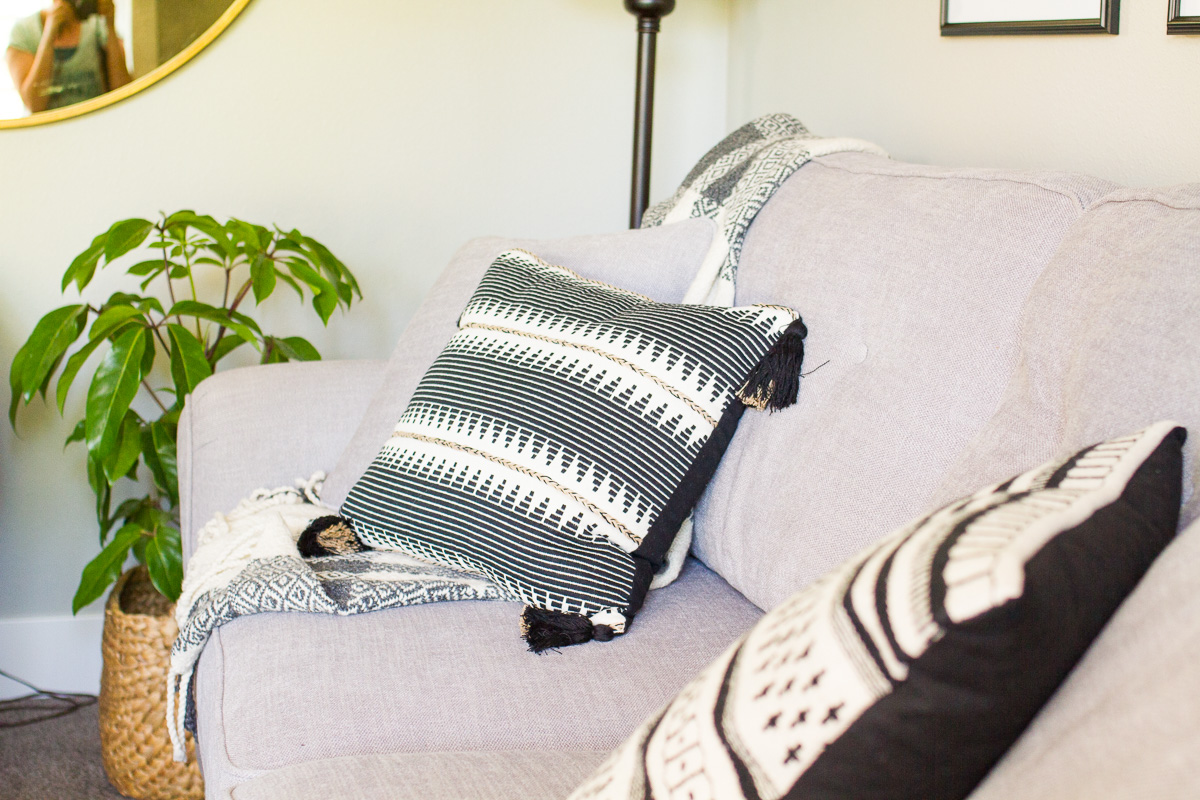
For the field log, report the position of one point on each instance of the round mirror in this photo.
(68, 57)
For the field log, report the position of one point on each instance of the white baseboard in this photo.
(54, 653)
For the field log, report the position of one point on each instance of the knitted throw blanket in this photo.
(247, 561)
(732, 182)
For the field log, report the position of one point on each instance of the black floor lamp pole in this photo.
(649, 14)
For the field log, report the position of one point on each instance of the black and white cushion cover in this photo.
(909, 670)
(564, 434)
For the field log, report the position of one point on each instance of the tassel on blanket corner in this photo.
(775, 382)
(330, 535)
(549, 630)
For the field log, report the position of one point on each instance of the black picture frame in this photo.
(1108, 22)
(1177, 22)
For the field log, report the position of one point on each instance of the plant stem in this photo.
(162, 238)
(158, 335)
(187, 262)
(221, 330)
(241, 295)
(154, 396)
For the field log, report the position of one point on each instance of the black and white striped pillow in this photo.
(909, 670)
(564, 434)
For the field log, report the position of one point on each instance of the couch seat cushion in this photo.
(496, 775)
(280, 689)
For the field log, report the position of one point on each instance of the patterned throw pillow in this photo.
(563, 436)
(909, 670)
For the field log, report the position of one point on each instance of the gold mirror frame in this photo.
(133, 87)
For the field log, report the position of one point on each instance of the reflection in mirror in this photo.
(64, 52)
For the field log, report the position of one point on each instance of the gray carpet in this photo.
(58, 759)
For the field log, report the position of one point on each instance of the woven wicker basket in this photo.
(139, 628)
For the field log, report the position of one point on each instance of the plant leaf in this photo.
(51, 337)
(84, 266)
(298, 348)
(225, 347)
(325, 303)
(124, 236)
(144, 303)
(290, 281)
(158, 452)
(127, 450)
(105, 568)
(76, 435)
(14, 383)
(112, 317)
(112, 390)
(150, 458)
(71, 369)
(151, 266)
(164, 560)
(262, 273)
(236, 323)
(110, 322)
(188, 363)
(149, 351)
(162, 435)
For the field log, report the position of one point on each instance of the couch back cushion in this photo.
(1109, 340)
(658, 262)
(911, 280)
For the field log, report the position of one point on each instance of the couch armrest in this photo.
(265, 426)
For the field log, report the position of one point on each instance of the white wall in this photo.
(392, 130)
(1123, 107)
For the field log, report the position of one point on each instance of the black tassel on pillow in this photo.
(329, 536)
(547, 630)
(775, 382)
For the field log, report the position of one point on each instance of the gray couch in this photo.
(970, 323)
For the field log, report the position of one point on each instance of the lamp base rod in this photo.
(643, 119)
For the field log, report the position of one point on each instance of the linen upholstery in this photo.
(265, 426)
(512, 775)
(1109, 339)
(1125, 724)
(659, 263)
(275, 690)
(910, 279)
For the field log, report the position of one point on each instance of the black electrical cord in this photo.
(41, 704)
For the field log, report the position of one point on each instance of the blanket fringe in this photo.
(179, 685)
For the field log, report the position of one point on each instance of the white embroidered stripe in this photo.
(727, 350)
(670, 388)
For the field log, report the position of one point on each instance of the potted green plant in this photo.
(158, 347)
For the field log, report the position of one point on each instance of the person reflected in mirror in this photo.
(67, 53)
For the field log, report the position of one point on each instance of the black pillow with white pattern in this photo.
(908, 671)
(564, 434)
